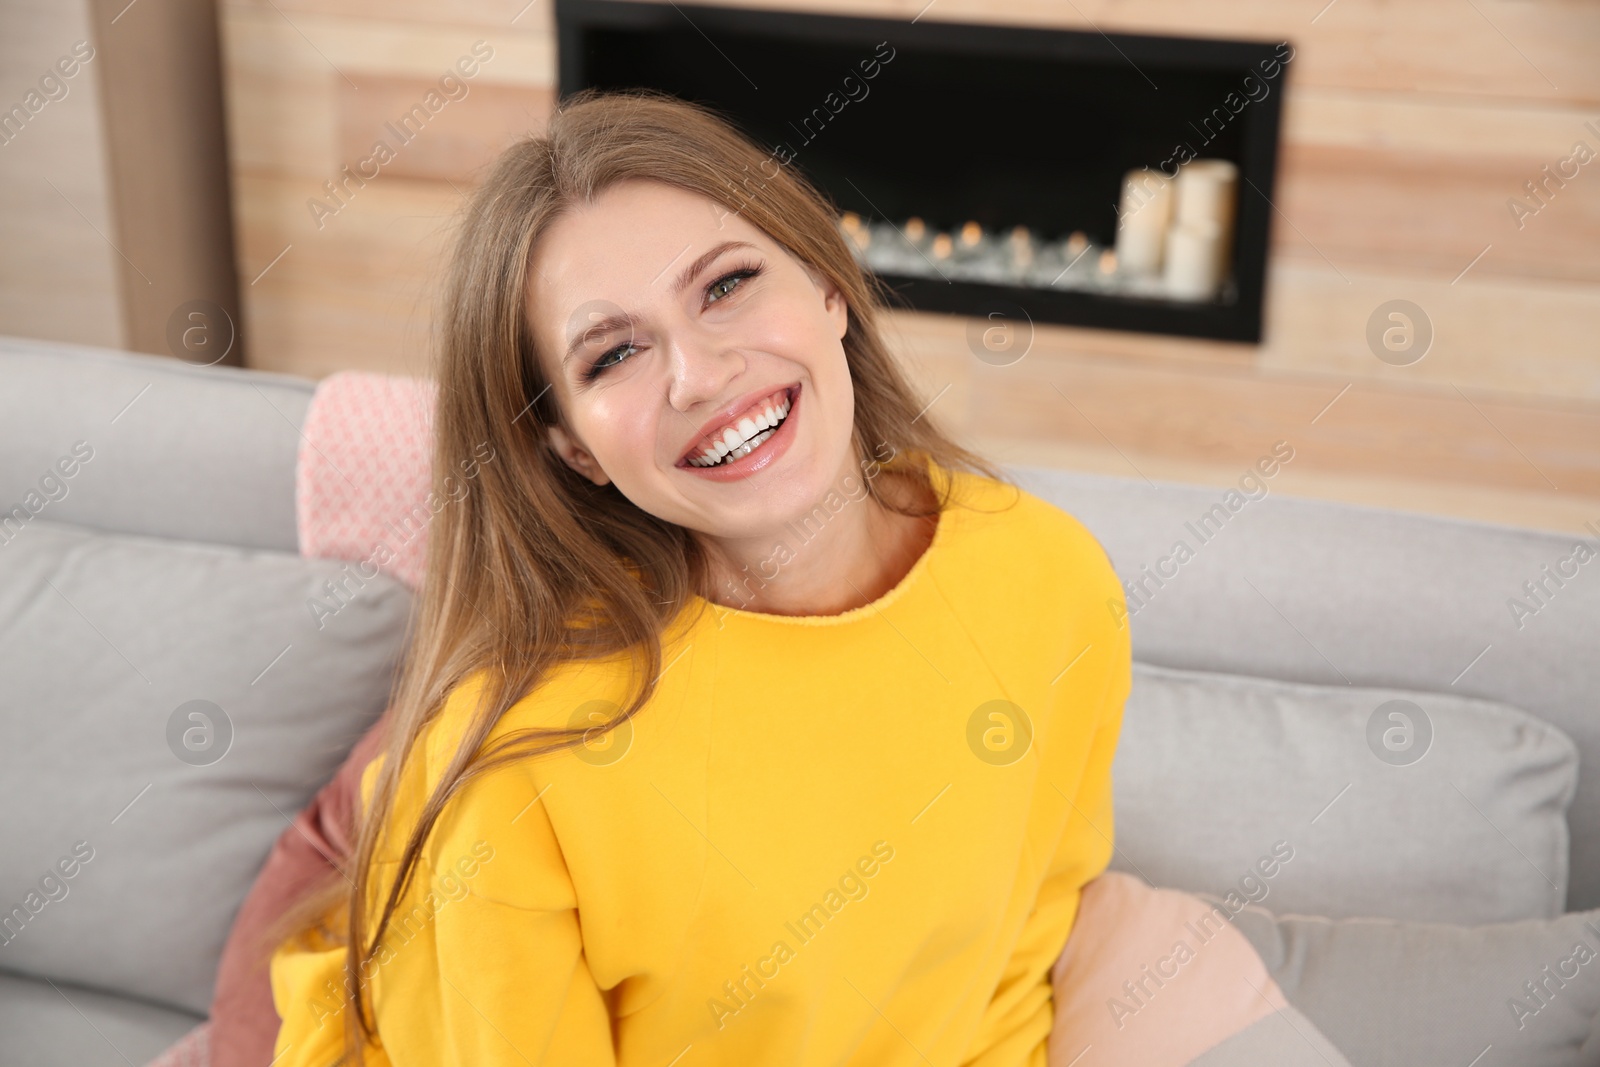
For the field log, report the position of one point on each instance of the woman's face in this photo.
(673, 333)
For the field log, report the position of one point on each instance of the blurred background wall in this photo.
(1408, 131)
(58, 270)
(115, 172)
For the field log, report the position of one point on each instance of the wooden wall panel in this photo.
(59, 273)
(1432, 214)
(379, 114)
(1529, 338)
(355, 294)
(1407, 127)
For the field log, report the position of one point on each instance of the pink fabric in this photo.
(364, 472)
(244, 1020)
(1153, 977)
(191, 1050)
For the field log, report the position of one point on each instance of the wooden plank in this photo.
(1519, 337)
(1227, 419)
(281, 115)
(1429, 122)
(1387, 443)
(288, 81)
(356, 293)
(58, 272)
(522, 54)
(465, 129)
(483, 14)
(1542, 511)
(315, 329)
(1431, 214)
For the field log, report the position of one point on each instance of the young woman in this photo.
(746, 718)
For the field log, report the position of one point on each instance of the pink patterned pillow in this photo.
(365, 472)
(191, 1050)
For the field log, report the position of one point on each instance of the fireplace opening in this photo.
(1117, 181)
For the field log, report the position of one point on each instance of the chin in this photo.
(805, 489)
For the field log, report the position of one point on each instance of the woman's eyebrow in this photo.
(609, 324)
(627, 321)
(703, 262)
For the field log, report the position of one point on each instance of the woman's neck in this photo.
(859, 553)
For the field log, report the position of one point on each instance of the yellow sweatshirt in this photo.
(845, 839)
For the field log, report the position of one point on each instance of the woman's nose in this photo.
(701, 366)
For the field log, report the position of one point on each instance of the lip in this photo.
(769, 452)
(730, 415)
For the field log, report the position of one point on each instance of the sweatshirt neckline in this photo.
(941, 536)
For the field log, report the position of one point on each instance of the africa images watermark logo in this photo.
(851, 886)
(452, 86)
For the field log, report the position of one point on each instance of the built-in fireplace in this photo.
(1110, 180)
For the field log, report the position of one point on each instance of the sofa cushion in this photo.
(147, 444)
(168, 707)
(64, 1025)
(1220, 779)
(1335, 593)
(1394, 994)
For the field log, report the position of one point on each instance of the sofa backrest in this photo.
(1282, 588)
(1311, 591)
(180, 451)
(179, 680)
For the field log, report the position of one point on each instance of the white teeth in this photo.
(743, 438)
(750, 445)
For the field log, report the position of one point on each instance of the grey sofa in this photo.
(160, 581)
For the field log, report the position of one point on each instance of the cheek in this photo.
(802, 334)
(622, 427)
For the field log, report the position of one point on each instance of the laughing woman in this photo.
(746, 718)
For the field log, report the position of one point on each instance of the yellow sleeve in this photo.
(482, 963)
(307, 973)
(485, 966)
(1021, 1007)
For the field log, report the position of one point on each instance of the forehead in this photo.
(624, 247)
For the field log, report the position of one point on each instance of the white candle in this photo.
(1142, 217)
(1193, 260)
(1206, 196)
(1140, 249)
(1206, 192)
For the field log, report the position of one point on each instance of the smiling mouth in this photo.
(747, 435)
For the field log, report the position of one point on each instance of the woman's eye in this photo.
(727, 284)
(606, 359)
(718, 289)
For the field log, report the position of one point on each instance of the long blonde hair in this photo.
(536, 566)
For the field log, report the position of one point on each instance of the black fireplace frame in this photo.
(1239, 319)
